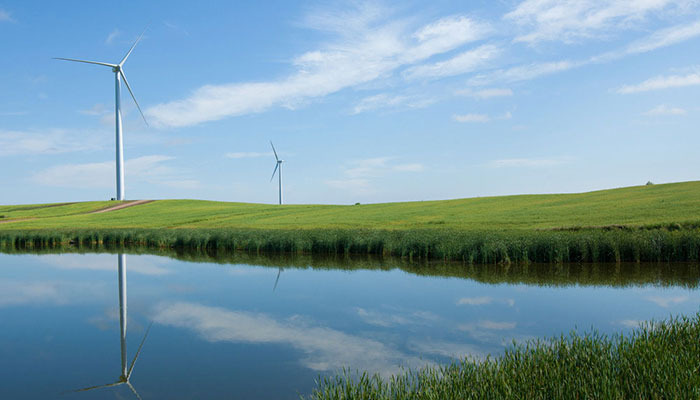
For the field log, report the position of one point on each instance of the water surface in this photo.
(224, 330)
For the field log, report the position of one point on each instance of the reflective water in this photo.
(244, 331)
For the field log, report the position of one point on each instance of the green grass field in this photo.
(646, 223)
(632, 206)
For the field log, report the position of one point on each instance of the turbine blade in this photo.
(278, 279)
(121, 71)
(131, 367)
(273, 149)
(133, 390)
(85, 61)
(132, 48)
(273, 172)
(96, 387)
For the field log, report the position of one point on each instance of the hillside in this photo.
(631, 206)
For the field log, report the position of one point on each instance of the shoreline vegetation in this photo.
(655, 223)
(662, 274)
(658, 360)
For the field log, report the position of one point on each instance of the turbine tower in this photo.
(124, 372)
(118, 70)
(277, 166)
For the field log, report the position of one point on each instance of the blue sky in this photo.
(365, 101)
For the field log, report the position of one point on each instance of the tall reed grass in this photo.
(660, 360)
(487, 247)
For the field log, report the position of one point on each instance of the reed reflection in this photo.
(125, 373)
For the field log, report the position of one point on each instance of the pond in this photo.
(233, 328)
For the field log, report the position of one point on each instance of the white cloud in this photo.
(630, 323)
(145, 265)
(52, 141)
(112, 35)
(666, 302)
(526, 162)
(357, 174)
(569, 20)
(325, 349)
(249, 155)
(383, 100)
(448, 349)
(479, 117)
(485, 93)
(462, 63)
(5, 16)
(14, 293)
(151, 169)
(475, 301)
(663, 109)
(367, 47)
(386, 319)
(522, 72)
(98, 109)
(662, 82)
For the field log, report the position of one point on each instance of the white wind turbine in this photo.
(125, 374)
(277, 166)
(118, 70)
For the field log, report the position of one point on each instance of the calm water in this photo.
(242, 331)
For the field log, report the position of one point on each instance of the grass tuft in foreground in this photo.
(660, 360)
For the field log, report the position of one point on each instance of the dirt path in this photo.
(123, 205)
(7, 221)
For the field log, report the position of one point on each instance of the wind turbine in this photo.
(118, 70)
(277, 166)
(125, 373)
(279, 272)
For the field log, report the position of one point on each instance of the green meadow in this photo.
(641, 223)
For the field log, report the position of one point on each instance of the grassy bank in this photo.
(657, 361)
(480, 247)
(644, 223)
(685, 275)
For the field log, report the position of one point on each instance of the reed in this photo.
(471, 247)
(659, 360)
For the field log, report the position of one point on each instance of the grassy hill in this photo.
(632, 206)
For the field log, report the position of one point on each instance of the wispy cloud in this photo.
(112, 35)
(484, 300)
(571, 20)
(662, 82)
(521, 73)
(666, 302)
(480, 117)
(462, 63)
(324, 349)
(249, 155)
(485, 93)
(386, 319)
(5, 16)
(384, 101)
(527, 162)
(151, 169)
(358, 173)
(98, 109)
(368, 46)
(663, 109)
(53, 141)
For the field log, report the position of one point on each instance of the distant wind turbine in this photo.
(279, 272)
(277, 166)
(125, 373)
(118, 70)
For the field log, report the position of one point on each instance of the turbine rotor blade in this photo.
(133, 390)
(273, 172)
(273, 149)
(132, 48)
(131, 367)
(97, 387)
(86, 61)
(121, 71)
